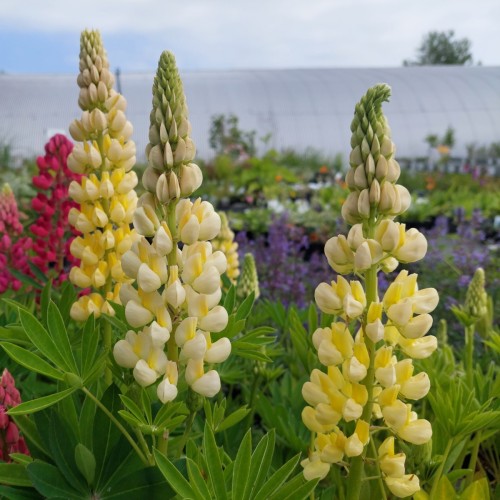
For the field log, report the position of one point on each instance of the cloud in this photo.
(261, 33)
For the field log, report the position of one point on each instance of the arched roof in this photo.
(300, 108)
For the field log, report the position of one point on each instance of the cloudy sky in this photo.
(43, 36)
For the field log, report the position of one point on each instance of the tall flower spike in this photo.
(370, 376)
(476, 299)
(175, 299)
(249, 280)
(226, 244)
(53, 235)
(104, 155)
(10, 440)
(14, 248)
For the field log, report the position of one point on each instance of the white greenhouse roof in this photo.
(300, 108)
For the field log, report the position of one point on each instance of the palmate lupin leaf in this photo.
(48, 351)
(252, 476)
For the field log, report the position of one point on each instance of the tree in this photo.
(227, 138)
(441, 47)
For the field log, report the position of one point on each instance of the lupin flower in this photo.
(249, 280)
(104, 155)
(476, 298)
(370, 375)
(177, 273)
(14, 248)
(10, 440)
(53, 235)
(226, 244)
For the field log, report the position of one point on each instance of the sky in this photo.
(42, 36)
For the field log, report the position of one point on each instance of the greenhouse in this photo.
(298, 108)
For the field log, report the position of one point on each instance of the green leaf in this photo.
(85, 461)
(68, 297)
(302, 491)
(147, 482)
(27, 280)
(250, 353)
(39, 274)
(241, 466)
(166, 414)
(31, 361)
(294, 489)
(21, 458)
(41, 338)
(106, 434)
(117, 323)
(445, 489)
(90, 339)
(245, 308)
(214, 464)
(133, 408)
(277, 479)
(97, 369)
(267, 442)
(256, 463)
(40, 403)
(44, 301)
(59, 335)
(14, 334)
(30, 433)
(14, 475)
(50, 482)
(62, 443)
(132, 420)
(146, 406)
(173, 476)
(197, 481)
(15, 305)
(230, 300)
(86, 421)
(233, 419)
(299, 335)
(478, 490)
(312, 318)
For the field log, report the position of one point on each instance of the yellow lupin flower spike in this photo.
(368, 376)
(176, 294)
(104, 154)
(226, 244)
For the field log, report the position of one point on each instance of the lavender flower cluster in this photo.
(286, 266)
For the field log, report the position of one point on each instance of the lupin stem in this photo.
(107, 337)
(357, 466)
(469, 352)
(122, 429)
(439, 473)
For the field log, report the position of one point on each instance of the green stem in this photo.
(163, 443)
(120, 427)
(357, 465)
(145, 447)
(439, 472)
(187, 430)
(107, 336)
(379, 472)
(473, 457)
(469, 352)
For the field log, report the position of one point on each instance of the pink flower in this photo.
(52, 230)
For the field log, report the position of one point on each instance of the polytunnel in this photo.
(299, 108)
